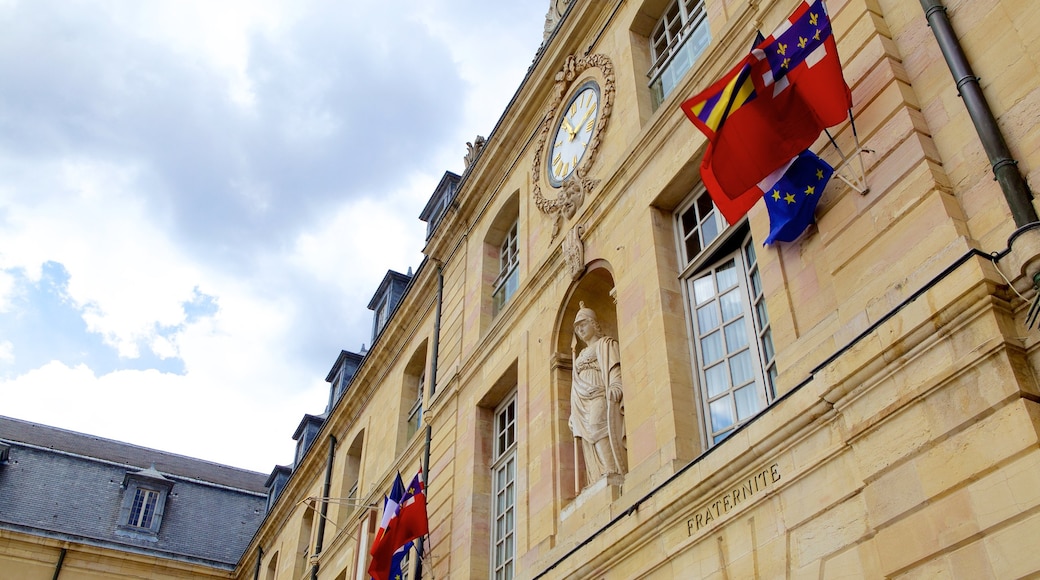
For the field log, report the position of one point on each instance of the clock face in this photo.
(575, 130)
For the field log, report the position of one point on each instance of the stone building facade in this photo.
(859, 402)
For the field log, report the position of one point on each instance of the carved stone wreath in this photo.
(576, 187)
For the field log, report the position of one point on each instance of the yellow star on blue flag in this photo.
(792, 212)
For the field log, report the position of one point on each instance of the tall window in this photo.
(677, 41)
(733, 343)
(143, 508)
(503, 490)
(415, 414)
(508, 277)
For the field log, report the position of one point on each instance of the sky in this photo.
(198, 199)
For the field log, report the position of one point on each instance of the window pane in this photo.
(721, 414)
(763, 316)
(704, 205)
(707, 318)
(709, 229)
(767, 345)
(736, 336)
(689, 221)
(693, 246)
(732, 305)
(756, 283)
(703, 289)
(711, 347)
(717, 380)
(727, 275)
(740, 368)
(747, 402)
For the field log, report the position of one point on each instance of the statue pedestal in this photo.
(592, 506)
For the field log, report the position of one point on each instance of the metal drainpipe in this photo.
(433, 388)
(318, 543)
(259, 559)
(1015, 189)
(57, 566)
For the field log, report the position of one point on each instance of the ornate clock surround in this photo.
(576, 72)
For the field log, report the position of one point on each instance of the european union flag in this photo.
(792, 199)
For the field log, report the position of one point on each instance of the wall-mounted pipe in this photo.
(1005, 168)
(61, 561)
(320, 541)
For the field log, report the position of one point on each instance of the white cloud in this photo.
(269, 157)
(191, 415)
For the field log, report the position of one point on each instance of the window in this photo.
(508, 277)
(144, 500)
(142, 509)
(678, 39)
(382, 314)
(415, 414)
(503, 493)
(733, 344)
(350, 481)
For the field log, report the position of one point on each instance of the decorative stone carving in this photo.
(576, 188)
(574, 252)
(553, 17)
(597, 399)
(473, 150)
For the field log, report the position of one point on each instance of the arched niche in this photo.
(596, 290)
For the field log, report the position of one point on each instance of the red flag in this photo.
(772, 106)
(405, 522)
(412, 521)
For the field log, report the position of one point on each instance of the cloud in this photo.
(197, 200)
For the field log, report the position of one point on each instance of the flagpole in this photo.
(423, 557)
(859, 186)
(859, 152)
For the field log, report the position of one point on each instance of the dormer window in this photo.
(385, 300)
(305, 434)
(144, 503)
(275, 483)
(382, 314)
(439, 202)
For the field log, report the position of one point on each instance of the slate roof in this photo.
(68, 485)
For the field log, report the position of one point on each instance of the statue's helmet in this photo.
(585, 314)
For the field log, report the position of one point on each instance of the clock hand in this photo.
(586, 117)
(570, 129)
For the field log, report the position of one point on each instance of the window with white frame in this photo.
(508, 275)
(144, 500)
(416, 413)
(733, 343)
(503, 490)
(142, 510)
(677, 41)
(382, 315)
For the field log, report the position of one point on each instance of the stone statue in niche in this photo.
(597, 399)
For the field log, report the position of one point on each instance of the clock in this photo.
(570, 133)
(574, 131)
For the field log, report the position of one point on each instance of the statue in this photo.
(597, 399)
(473, 149)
